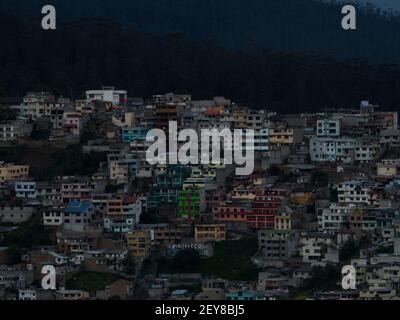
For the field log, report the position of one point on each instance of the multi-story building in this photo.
(191, 203)
(11, 130)
(12, 172)
(72, 123)
(232, 214)
(15, 215)
(265, 206)
(119, 171)
(283, 222)
(37, 105)
(76, 189)
(53, 216)
(277, 244)
(122, 214)
(240, 118)
(390, 137)
(318, 248)
(209, 232)
(258, 141)
(281, 135)
(75, 242)
(167, 185)
(131, 134)
(108, 95)
(323, 149)
(334, 218)
(346, 150)
(328, 128)
(25, 189)
(388, 168)
(139, 243)
(358, 192)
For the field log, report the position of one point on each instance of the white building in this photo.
(10, 130)
(334, 218)
(107, 94)
(27, 294)
(43, 104)
(324, 149)
(260, 141)
(25, 189)
(328, 128)
(53, 217)
(317, 248)
(72, 123)
(356, 192)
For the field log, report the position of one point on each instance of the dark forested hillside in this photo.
(293, 26)
(89, 54)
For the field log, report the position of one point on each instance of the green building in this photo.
(189, 203)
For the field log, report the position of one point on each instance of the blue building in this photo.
(77, 215)
(243, 295)
(25, 189)
(132, 134)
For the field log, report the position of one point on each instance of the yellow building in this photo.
(387, 168)
(210, 232)
(243, 193)
(283, 222)
(118, 171)
(167, 236)
(11, 172)
(281, 135)
(72, 295)
(240, 118)
(139, 243)
(300, 197)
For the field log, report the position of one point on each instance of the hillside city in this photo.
(77, 193)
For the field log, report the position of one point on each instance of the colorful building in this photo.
(265, 207)
(131, 134)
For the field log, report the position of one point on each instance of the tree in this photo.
(14, 254)
(129, 265)
(323, 278)
(319, 179)
(7, 114)
(186, 260)
(348, 250)
(39, 134)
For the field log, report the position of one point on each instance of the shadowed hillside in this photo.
(90, 54)
(293, 26)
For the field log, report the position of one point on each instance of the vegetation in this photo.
(322, 279)
(247, 25)
(231, 260)
(113, 188)
(102, 52)
(7, 114)
(186, 260)
(91, 281)
(72, 161)
(29, 234)
(129, 265)
(39, 133)
(319, 179)
(349, 249)
(12, 153)
(14, 254)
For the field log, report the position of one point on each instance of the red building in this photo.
(265, 207)
(233, 214)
